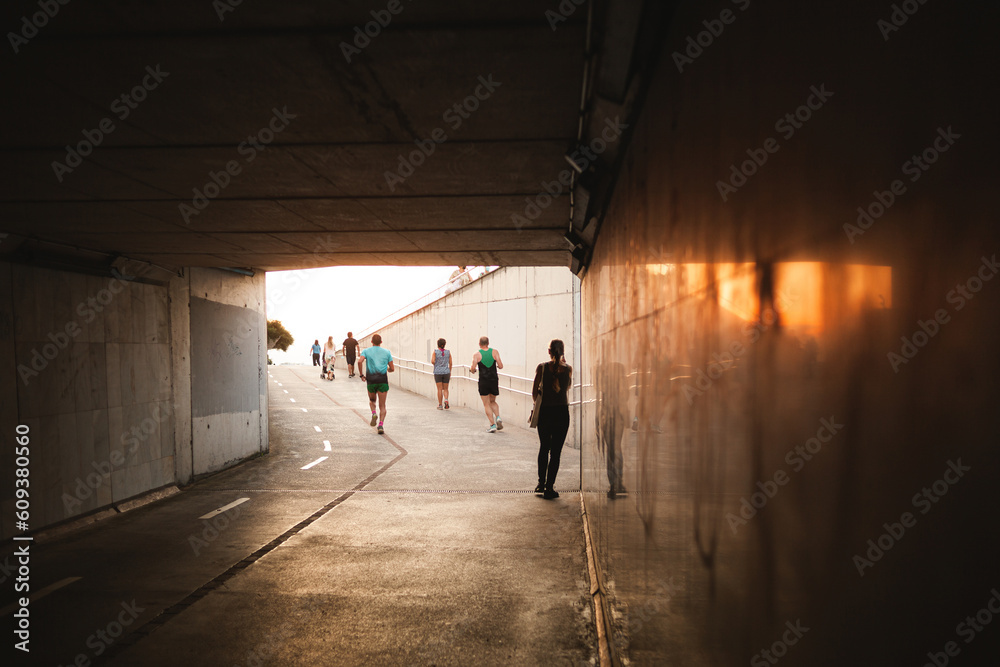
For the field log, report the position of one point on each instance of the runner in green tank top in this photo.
(486, 362)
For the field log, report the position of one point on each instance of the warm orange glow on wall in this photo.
(809, 296)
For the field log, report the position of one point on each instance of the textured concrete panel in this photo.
(224, 372)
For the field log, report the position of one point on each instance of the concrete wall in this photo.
(520, 308)
(87, 370)
(749, 341)
(99, 370)
(228, 368)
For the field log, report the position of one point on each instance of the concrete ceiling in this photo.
(317, 195)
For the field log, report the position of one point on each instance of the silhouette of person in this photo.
(552, 380)
(611, 416)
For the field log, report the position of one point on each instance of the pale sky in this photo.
(317, 303)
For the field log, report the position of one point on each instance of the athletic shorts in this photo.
(443, 378)
(350, 359)
(489, 388)
(375, 388)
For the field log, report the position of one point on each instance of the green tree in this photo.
(278, 337)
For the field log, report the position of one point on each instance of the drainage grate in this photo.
(362, 491)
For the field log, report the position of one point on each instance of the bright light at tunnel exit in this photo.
(316, 303)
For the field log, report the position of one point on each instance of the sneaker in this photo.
(549, 494)
(440, 407)
(540, 488)
(380, 429)
(492, 428)
(446, 405)
(374, 419)
(499, 424)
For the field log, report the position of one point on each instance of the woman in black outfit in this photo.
(552, 381)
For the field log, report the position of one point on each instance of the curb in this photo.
(601, 616)
(135, 502)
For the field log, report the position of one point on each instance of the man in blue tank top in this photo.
(487, 362)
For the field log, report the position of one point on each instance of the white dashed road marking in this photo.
(222, 509)
(40, 594)
(319, 460)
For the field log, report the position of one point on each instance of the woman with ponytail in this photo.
(552, 381)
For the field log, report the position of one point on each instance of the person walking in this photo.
(378, 362)
(552, 381)
(351, 352)
(487, 362)
(441, 358)
(316, 349)
(329, 357)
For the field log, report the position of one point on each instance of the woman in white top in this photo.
(329, 352)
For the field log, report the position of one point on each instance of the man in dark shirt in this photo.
(351, 352)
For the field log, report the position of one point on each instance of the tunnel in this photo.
(766, 232)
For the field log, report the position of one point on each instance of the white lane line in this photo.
(326, 445)
(222, 509)
(319, 460)
(285, 390)
(280, 385)
(38, 595)
(304, 410)
(292, 400)
(317, 429)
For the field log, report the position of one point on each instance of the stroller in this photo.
(327, 373)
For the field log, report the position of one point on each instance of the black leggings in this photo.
(553, 425)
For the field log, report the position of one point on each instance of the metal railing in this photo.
(472, 379)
